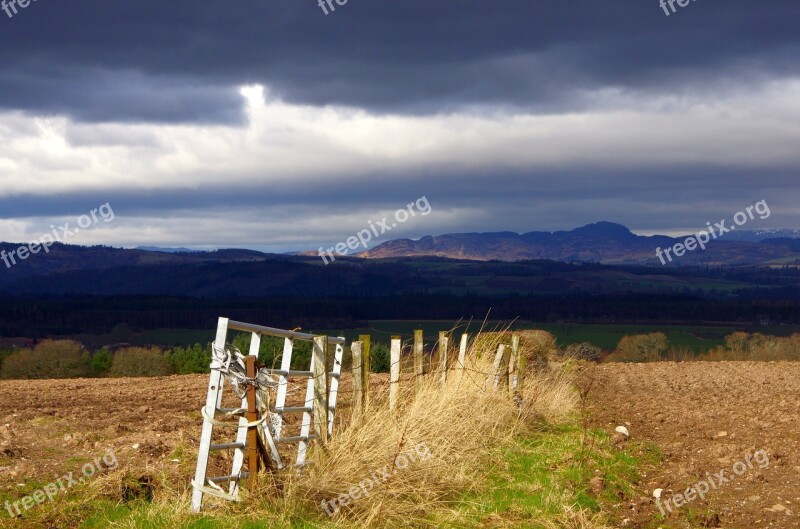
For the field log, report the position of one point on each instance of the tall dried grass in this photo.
(440, 443)
(461, 424)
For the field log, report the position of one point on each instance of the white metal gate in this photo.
(317, 409)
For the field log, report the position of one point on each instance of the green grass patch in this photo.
(543, 480)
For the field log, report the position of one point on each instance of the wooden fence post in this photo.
(462, 352)
(334, 379)
(443, 349)
(320, 374)
(394, 372)
(419, 365)
(497, 367)
(522, 362)
(358, 381)
(513, 364)
(366, 367)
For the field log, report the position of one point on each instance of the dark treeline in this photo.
(289, 291)
(51, 317)
(298, 277)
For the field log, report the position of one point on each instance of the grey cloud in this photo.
(95, 95)
(411, 56)
(287, 218)
(182, 61)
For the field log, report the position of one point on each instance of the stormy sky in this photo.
(272, 125)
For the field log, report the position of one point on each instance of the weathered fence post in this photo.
(462, 352)
(419, 365)
(521, 369)
(513, 364)
(394, 372)
(320, 373)
(335, 377)
(443, 349)
(504, 366)
(497, 373)
(358, 381)
(366, 367)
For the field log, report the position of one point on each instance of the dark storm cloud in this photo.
(608, 144)
(180, 61)
(121, 96)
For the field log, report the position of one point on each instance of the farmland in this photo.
(152, 427)
(698, 338)
(701, 419)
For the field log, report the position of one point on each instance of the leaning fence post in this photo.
(320, 374)
(365, 367)
(358, 381)
(497, 365)
(394, 372)
(419, 366)
(443, 342)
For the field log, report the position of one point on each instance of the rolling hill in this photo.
(602, 242)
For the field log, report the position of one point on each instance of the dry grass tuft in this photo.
(398, 468)
(415, 461)
(409, 468)
(537, 347)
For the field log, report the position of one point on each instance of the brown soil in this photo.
(49, 428)
(705, 418)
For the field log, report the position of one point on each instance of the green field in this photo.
(698, 338)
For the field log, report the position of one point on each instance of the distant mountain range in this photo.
(96, 269)
(602, 242)
(164, 250)
(66, 258)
